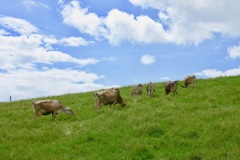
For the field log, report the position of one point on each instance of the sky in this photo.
(71, 46)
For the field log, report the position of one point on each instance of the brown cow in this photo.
(171, 87)
(110, 96)
(189, 80)
(137, 90)
(150, 88)
(45, 107)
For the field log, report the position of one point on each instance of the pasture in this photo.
(199, 123)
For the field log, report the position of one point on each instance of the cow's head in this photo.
(67, 110)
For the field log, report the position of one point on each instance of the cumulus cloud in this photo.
(24, 51)
(193, 21)
(76, 16)
(186, 22)
(234, 52)
(24, 58)
(120, 26)
(212, 73)
(24, 84)
(116, 27)
(20, 26)
(29, 48)
(147, 59)
(124, 27)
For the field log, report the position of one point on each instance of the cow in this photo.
(45, 107)
(189, 80)
(171, 87)
(108, 97)
(150, 88)
(137, 90)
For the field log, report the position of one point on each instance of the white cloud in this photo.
(116, 27)
(79, 18)
(234, 52)
(30, 3)
(25, 51)
(24, 84)
(193, 21)
(74, 41)
(164, 17)
(20, 26)
(147, 59)
(60, 1)
(186, 22)
(124, 27)
(149, 3)
(212, 73)
(165, 78)
(120, 26)
(3, 32)
(21, 55)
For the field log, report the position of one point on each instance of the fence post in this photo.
(10, 98)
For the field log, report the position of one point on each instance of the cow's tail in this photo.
(181, 85)
(32, 104)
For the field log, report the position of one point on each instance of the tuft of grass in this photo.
(198, 123)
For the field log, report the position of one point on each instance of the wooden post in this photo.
(10, 98)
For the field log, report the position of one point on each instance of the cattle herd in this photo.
(107, 97)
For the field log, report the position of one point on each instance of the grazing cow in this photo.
(45, 107)
(110, 96)
(189, 80)
(150, 88)
(171, 87)
(137, 90)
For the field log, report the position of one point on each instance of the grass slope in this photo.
(198, 123)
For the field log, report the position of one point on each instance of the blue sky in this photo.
(71, 46)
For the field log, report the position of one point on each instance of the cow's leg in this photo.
(96, 106)
(36, 114)
(97, 103)
(167, 91)
(54, 115)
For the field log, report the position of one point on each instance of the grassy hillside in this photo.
(199, 123)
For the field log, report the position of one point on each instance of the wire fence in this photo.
(6, 99)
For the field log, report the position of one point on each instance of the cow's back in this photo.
(137, 90)
(150, 88)
(171, 87)
(168, 85)
(113, 95)
(47, 104)
(107, 96)
(110, 96)
(189, 80)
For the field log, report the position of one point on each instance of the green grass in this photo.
(199, 123)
